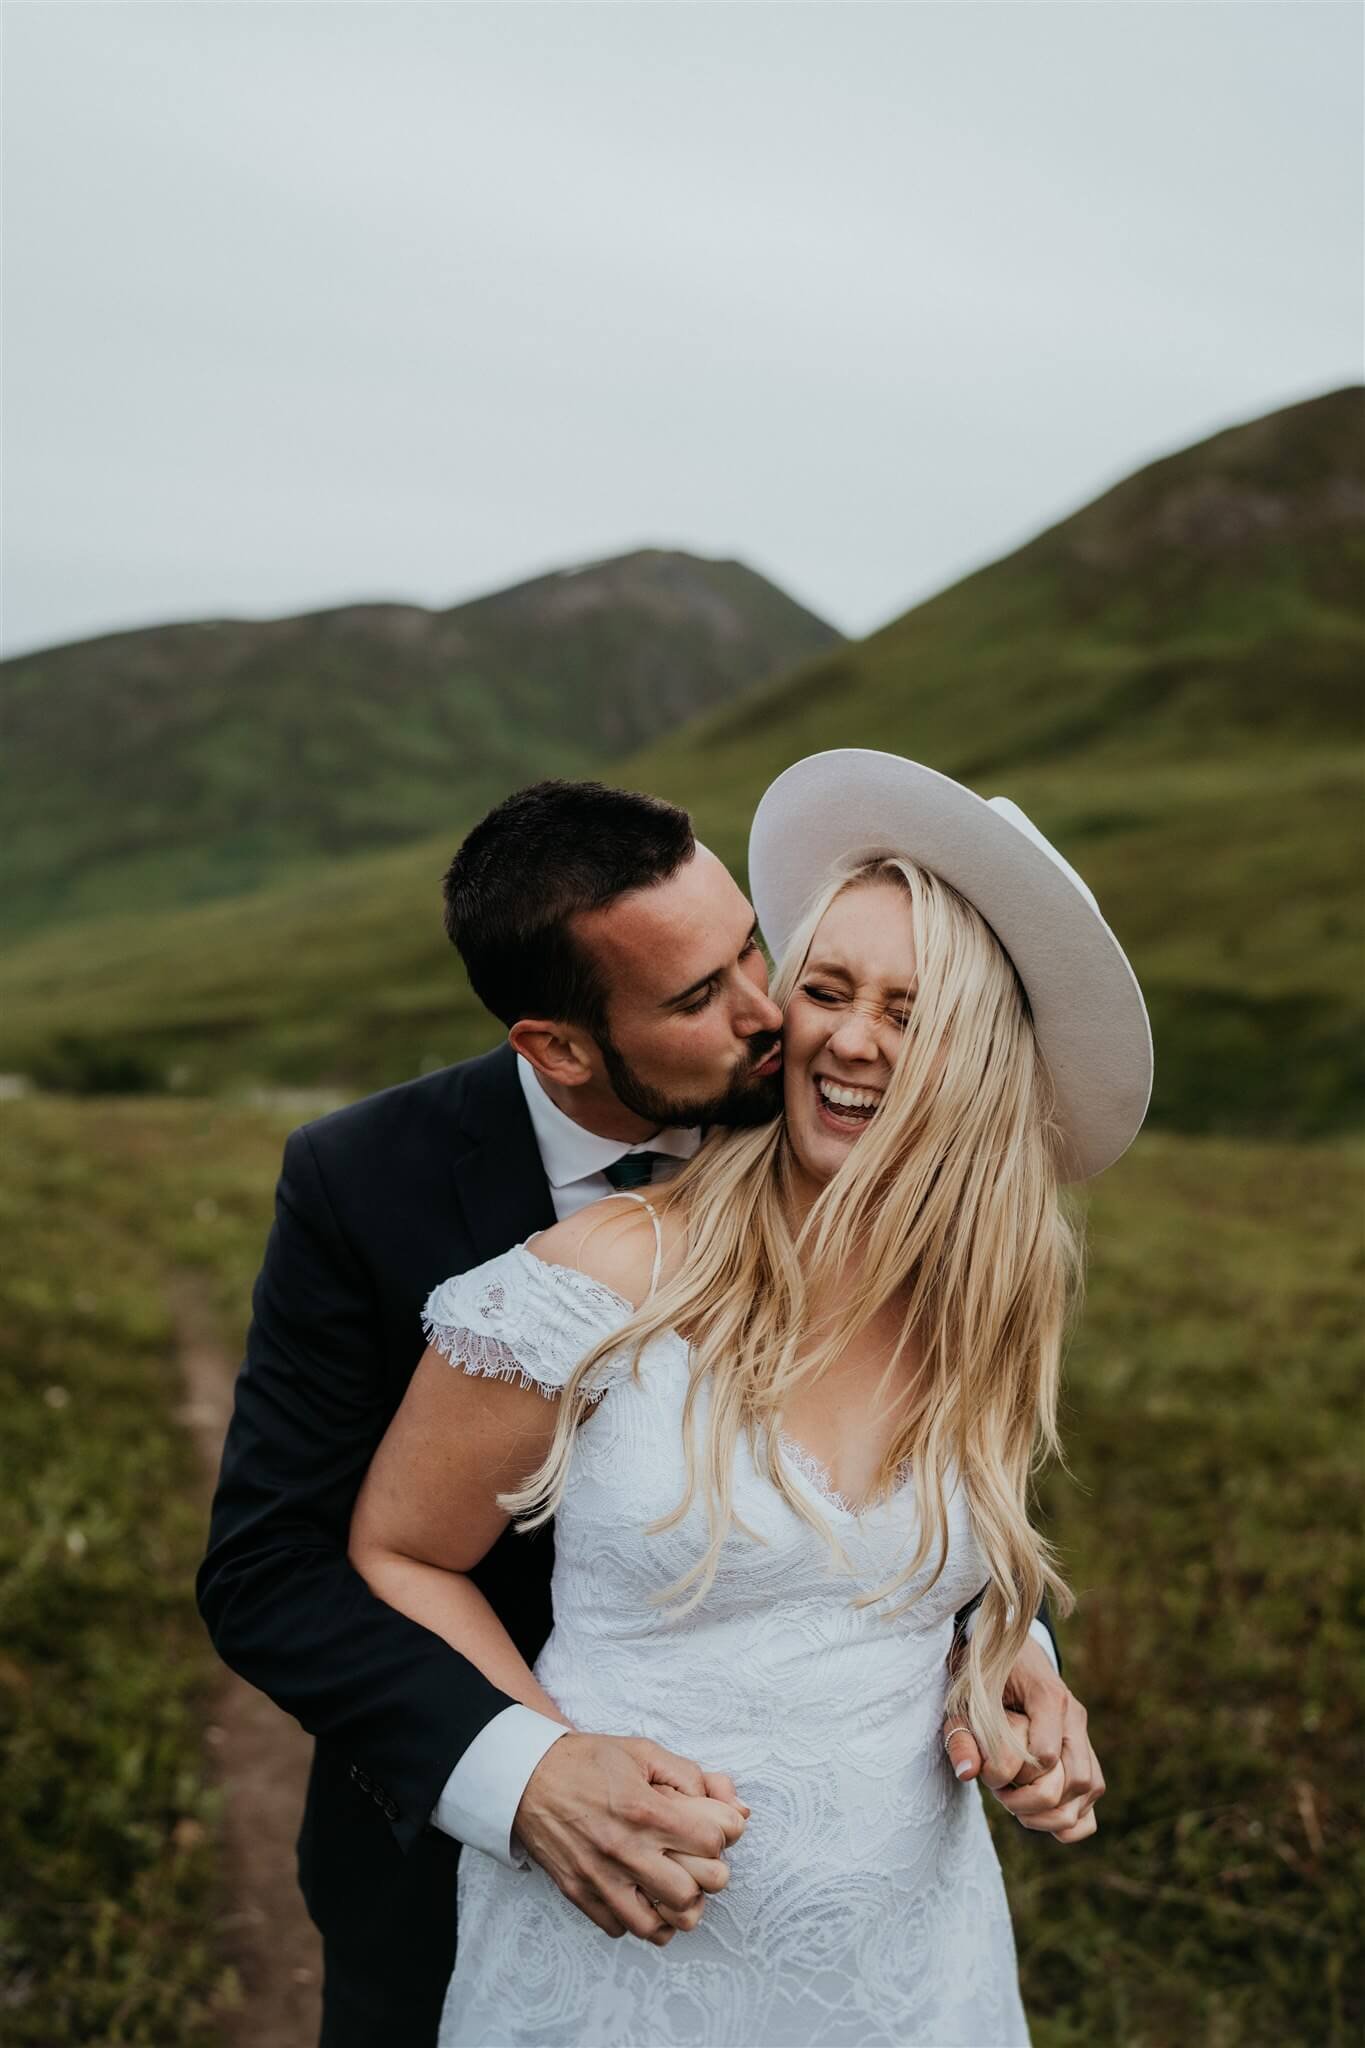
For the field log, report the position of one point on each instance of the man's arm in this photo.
(1057, 1795)
(283, 1605)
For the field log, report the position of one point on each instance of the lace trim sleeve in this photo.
(517, 1318)
(488, 1358)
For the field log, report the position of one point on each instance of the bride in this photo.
(784, 1412)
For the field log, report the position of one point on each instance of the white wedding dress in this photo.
(865, 1904)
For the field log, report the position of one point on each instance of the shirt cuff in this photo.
(482, 1793)
(1037, 1629)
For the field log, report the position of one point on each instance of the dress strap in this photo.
(629, 1195)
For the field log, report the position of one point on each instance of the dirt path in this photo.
(262, 1759)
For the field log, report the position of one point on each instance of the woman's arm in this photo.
(427, 1511)
(606, 1821)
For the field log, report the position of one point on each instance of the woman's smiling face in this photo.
(844, 1022)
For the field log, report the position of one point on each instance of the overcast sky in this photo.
(312, 303)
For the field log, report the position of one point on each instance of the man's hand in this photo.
(1057, 1795)
(632, 1835)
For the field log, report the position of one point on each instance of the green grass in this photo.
(1210, 1527)
(109, 1817)
(1212, 1532)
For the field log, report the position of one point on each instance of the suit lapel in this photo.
(499, 1179)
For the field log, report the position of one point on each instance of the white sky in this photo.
(305, 304)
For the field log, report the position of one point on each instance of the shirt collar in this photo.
(569, 1153)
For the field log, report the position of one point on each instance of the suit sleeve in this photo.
(282, 1603)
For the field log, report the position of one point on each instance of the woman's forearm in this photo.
(452, 1607)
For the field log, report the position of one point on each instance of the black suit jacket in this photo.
(375, 1205)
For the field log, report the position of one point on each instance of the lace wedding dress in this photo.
(865, 1904)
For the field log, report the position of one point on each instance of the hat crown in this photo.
(1023, 823)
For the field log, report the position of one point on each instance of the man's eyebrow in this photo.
(671, 1002)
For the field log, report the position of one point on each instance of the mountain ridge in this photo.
(1189, 736)
(197, 760)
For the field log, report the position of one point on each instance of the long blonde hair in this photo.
(950, 1198)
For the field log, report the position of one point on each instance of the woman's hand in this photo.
(711, 1874)
(1056, 1795)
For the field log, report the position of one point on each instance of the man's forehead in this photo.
(693, 909)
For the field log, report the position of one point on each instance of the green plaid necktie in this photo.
(632, 1170)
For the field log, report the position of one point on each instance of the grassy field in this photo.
(1210, 1526)
(109, 1817)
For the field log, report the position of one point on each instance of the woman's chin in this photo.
(819, 1154)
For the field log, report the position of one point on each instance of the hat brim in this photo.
(1089, 1017)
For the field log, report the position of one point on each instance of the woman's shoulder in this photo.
(622, 1244)
(534, 1311)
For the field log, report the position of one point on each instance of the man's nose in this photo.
(758, 1014)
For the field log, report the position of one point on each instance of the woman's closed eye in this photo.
(897, 1014)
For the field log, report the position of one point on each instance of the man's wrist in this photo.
(479, 1802)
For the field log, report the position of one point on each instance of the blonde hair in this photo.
(951, 1198)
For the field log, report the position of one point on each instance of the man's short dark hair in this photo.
(535, 862)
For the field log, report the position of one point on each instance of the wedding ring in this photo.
(961, 1729)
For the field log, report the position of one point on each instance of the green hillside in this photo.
(193, 762)
(1169, 682)
(1209, 608)
(1172, 683)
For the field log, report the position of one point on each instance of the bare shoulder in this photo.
(614, 1242)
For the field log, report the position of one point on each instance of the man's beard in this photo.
(744, 1101)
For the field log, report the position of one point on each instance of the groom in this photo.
(624, 962)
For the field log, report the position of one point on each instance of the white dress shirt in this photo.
(482, 1793)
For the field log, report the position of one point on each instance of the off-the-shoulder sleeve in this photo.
(517, 1318)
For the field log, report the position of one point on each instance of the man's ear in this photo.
(558, 1052)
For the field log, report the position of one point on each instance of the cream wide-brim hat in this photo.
(1090, 1020)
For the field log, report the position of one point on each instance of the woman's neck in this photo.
(800, 1193)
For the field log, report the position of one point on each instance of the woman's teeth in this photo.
(855, 1104)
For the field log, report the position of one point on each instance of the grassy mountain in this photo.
(192, 762)
(1206, 608)
(1168, 682)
